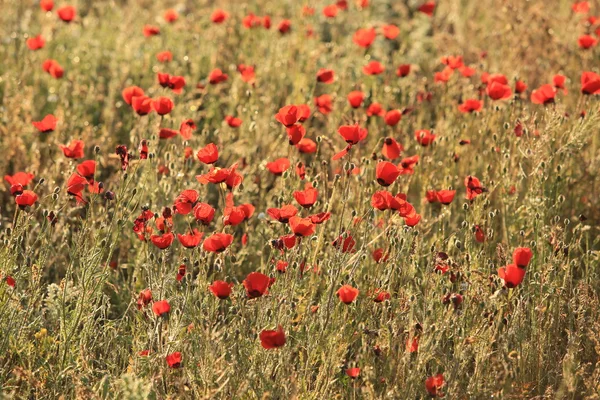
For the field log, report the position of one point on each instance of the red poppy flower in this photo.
(204, 213)
(454, 62)
(87, 169)
(427, 8)
(303, 112)
(512, 275)
(272, 339)
(164, 56)
(220, 175)
(144, 298)
(424, 137)
(443, 76)
(174, 360)
(391, 149)
(170, 15)
(431, 196)
(16, 189)
(587, 42)
(380, 256)
(434, 384)
(307, 197)
(373, 68)
(209, 154)
(278, 166)
(355, 98)
(353, 372)
(20, 178)
(53, 68)
(295, 133)
(330, 11)
(142, 105)
(465, 71)
(282, 214)
(375, 109)
(266, 22)
(543, 95)
(46, 125)
(190, 240)
(498, 91)
(281, 266)
(445, 196)
(175, 83)
(162, 241)
(251, 21)
(392, 117)
(381, 296)
(470, 105)
(162, 105)
(364, 37)
(221, 289)
(403, 70)
(520, 87)
(352, 134)
(217, 242)
(347, 294)
(582, 7)
(233, 121)
(390, 32)
(75, 185)
(219, 16)
(383, 200)
(217, 76)
(233, 215)
(306, 146)
(166, 133)
(590, 83)
(47, 5)
(412, 219)
(36, 43)
(27, 198)
(256, 284)
(342, 4)
(66, 13)
(289, 241)
(325, 75)
(73, 149)
(412, 346)
(307, 11)
(302, 226)
(324, 104)
(407, 165)
(320, 217)
(288, 115)
(559, 82)
(522, 256)
(474, 187)
(150, 30)
(247, 72)
(187, 128)
(386, 173)
(130, 92)
(161, 307)
(345, 243)
(479, 234)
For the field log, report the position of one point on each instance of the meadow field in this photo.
(300, 199)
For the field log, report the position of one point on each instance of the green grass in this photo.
(71, 326)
